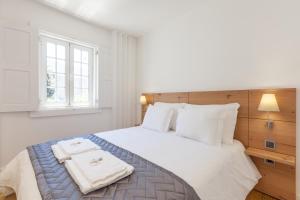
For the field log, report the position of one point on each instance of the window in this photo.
(68, 76)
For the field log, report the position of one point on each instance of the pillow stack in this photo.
(175, 107)
(157, 119)
(209, 124)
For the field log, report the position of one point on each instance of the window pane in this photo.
(50, 49)
(77, 55)
(85, 82)
(77, 68)
(51, 65)
(85, 57)
(77, 82)
(61, 52)
(84, 95)
(61, 95)
(61, 80)
(85, 70)
(61, 66)
(50, 94)
(51, 80)
(77, 95)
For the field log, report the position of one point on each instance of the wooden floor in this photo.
(11, 197)
(254, 195)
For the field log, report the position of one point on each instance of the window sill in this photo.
(52, 112)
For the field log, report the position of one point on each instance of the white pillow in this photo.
(201, 124)
(157, 119)
(231, 112)
(175, 107)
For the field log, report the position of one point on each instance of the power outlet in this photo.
(270, 144)
(269, 162)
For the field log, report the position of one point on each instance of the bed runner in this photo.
(148, 181)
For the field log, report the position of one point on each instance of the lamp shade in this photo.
(268, 103)
(143, 100)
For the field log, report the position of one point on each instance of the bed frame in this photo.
(278, 176)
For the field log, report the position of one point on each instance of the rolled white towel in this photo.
(80, 174)
(77, 145)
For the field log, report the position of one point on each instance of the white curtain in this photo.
(124, 80)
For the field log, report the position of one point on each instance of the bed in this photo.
(214, 172)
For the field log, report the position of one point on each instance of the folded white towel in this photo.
(77, 145)
(59, 154)
(99, 165)
(63, 150)
(92, 168)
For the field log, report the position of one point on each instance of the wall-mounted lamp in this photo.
(143, 100)
(268, 103)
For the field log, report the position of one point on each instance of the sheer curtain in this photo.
(124, 80)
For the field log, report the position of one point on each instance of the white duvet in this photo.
(216, 173)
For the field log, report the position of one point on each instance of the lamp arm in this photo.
(270, 122)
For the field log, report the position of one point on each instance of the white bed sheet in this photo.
(216, 173)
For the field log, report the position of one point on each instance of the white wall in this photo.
(233, 44)
(18, 130)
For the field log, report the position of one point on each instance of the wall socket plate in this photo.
(270, 144)
(269, 162)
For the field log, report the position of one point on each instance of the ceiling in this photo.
(133, 16)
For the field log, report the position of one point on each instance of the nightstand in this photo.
(272, 156)
(278, 173)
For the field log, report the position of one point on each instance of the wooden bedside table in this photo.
(269, 155)
(278, 173)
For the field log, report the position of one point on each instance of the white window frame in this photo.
(91, 75)
(43, 72)
(68, 109)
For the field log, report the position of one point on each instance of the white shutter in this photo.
(18, 67)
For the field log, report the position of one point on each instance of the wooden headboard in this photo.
(251, 130)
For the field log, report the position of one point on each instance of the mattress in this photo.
(215, 173)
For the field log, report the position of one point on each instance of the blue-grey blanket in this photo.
(148, 181)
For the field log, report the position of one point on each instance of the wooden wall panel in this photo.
(150, 100)
(280, 148)
(241, 131)
(283, 133)
(222, 97)
(180, 97)
(286, 99)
